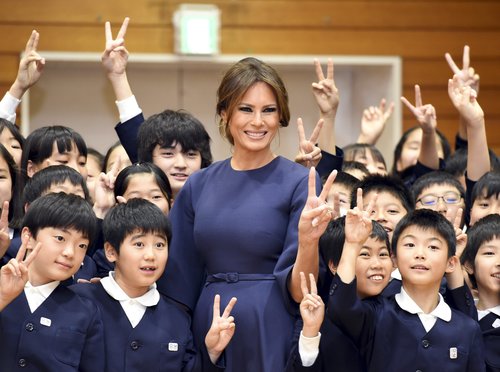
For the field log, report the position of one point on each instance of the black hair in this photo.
(344, 179)
(487, 186)
(435, 178)
(355, 149)
(13, 129)
(483, 231)
(426, 219)
(61, 211)
(134, 215)
(331, 243)
(389, 184)
(108, 155)
(15, 192)
(97, 155)
(354, 165)
(445, 144)
(456, 164)
(44, 179)
(169, 128)
(124, 177)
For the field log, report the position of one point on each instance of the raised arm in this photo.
(29, 72)
(426, 117)
(373, 122)
(327, 97)
(464, 99)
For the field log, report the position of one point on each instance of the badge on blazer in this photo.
(45, 321)
(173, 346)
(453, 353)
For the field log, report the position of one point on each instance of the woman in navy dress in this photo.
(247, 226)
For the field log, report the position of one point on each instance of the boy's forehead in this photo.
(382, 196)
(374, 243)
(423, 233)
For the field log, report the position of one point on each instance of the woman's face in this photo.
(255, 120)
(12, 145)
(411, 150)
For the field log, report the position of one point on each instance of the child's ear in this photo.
(110, 252)
(394, 261)
(31, 169)
(452, 264)
(26, 238)
(332, 267)
(468, 268)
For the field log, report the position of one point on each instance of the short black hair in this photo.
(435, 178)
(61, 211)
(352, 150)
(14, 176)
(13, 129)
(169, 128)
(344, 179)
(426, 219)
(483, 231)
(390, 184)
(39, 143)
(445, 144)
(134, 215)
(44, 179)
(123, 178)
(331, 243)
(487, 186)
(356, 165)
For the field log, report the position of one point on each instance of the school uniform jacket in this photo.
(491, 338)
(162, 341)
(391, 339)
(65, 333)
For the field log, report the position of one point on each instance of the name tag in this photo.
(173, 346)
(496, 323)
(453, 353)
(45, 321)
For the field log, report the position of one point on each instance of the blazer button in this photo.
(29, 327)
(134, 345)
(425, 344)
(21, 362)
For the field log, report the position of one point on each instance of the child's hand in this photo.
(456, 220)
(115, 56)
(358, 225)
(309, 154)
(221, 331)
(325, 92)
(425, 114)
(104, 190)
(14, 275)
(4, 229)
(373, 122)
(466, 76)
(464, 99)
(312, 308)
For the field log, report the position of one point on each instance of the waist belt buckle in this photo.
(232, 277)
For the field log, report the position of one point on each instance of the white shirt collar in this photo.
(37, 295)
(482, 313)
(442, 310)
(134, 307)
(396, 274)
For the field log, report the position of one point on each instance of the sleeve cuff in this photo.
(8, 106)
(128, 108)
(308, 349)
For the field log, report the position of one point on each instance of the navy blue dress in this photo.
(235, 234)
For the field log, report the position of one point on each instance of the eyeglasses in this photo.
(448, 198)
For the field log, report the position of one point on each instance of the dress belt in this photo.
(236, 277)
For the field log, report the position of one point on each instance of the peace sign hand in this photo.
(358, 225)
(466, 75)
(14, 275)
(425, 114)
(312, 308)
(221, 331)
(325, 92)
(115, 56)
(309, 154)
(373, 122)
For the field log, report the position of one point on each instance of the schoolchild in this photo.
(144, 330)
(481, 259)
(344, 185)
(44, 325)
(485, 197)
(414, 329)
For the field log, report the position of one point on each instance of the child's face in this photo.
(5, 182)
(12, 145)
(93, 172)
(140, 263)
(118, 153)
(449, 199)
(72, 159)
(61, 254)
(144, 186)
(422, 257)
(344, 197)
(373, 166)
(373, 268)
(484, 206)
(176, 164)
(411, 150)
(388, 210)
(486, 270)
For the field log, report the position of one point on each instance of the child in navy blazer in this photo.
(44, 326)
(414, 329)
(144, 330)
